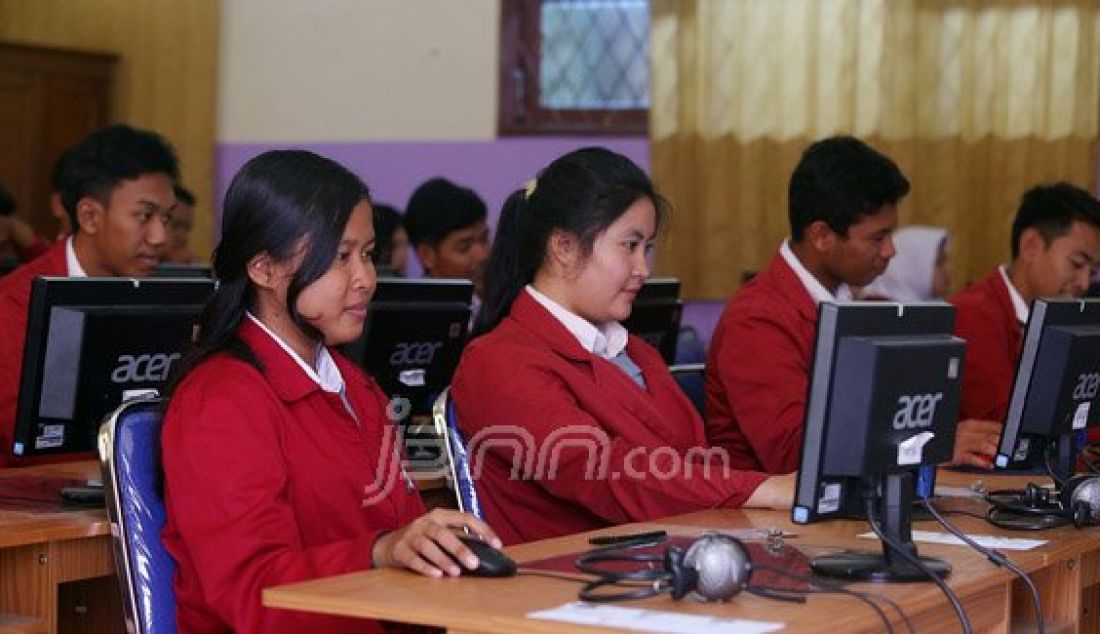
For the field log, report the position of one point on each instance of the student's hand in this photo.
(976, 443)
(420, 545)
(777, 492)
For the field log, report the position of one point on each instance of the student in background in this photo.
(116, 187)
(918, 272)
(843, 199)
(392, 251)
(1055, 249)
(280, 464)
(17, 239)
(556, 376)
(177, 250)
(447, 228)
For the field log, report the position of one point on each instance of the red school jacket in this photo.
(590, 447)
(758, 369)
(986, 319)
(269, 480)
(15, 297)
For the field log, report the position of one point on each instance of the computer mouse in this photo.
(491, 562)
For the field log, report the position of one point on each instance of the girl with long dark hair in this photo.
(572, 423)
(280, 464)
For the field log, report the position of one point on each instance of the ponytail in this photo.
(507, 271)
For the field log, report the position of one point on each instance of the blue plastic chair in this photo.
(129, 454)
(691, 379)
(458, 463)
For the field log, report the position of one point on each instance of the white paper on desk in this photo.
(987, 541)
(651, 620)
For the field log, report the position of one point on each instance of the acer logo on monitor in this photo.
(1087, 386)
(916, 411)
(143, 368)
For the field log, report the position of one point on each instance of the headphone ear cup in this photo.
(682, 580)
(1035, 496)
(722, 565)
(1079, 497)
(1081, 514)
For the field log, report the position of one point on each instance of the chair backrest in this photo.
(690, 347)
(458, 464)
(691, 379)
(129, 454)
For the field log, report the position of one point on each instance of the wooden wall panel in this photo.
(166, 77)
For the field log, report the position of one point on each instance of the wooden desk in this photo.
(45, 550)
(1067, 571)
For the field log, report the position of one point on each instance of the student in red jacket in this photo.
(1055, 248)
(279, 462)
(572, 423)
(843, 199)
(116, 187)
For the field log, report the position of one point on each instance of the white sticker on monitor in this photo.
(1022, 448)
(1081, 416)
(52, 436)
(829, 502)
(412, 378)
(911, 451)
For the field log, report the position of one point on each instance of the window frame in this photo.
(519, 112)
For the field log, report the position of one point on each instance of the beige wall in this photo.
(166, 73)
(355, 70)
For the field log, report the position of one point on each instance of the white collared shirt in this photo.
(815, 288)
(327, 375)
(1022, 310)
(606, 340)
(71, 263)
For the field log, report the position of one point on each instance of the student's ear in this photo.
(263, 270)
(1032, 244)
(90, 215)
(562, 250)
(427, 256)
(820, 236)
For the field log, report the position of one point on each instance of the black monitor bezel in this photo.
(48, 292)
(850, 319)
(1044, 313)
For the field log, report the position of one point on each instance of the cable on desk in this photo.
(827, 587)
(904, 552)
(996, 557)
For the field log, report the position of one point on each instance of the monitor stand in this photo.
(895, 506)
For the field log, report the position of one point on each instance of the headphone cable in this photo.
(996, 557)
(920, 565)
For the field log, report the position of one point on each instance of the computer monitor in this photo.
(656, 315)
(883, 402)
(166, 269)
(1056, 393)
(91, 343)
(413, 338)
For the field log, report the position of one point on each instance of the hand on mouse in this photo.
(421, 545)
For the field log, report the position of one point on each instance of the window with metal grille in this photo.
(574, 66)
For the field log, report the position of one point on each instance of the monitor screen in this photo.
(91, 343)
(883, 402)
(1056, 393)
(414, 335)
(165, 269)
(655, 316)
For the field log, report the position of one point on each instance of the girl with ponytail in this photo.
(573, 424)
(279, 462)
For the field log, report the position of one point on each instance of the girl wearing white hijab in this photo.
(918, 272)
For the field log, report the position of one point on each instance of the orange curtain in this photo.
(976, 101)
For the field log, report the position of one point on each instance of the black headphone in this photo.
(715, 566)
(1077, 502)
